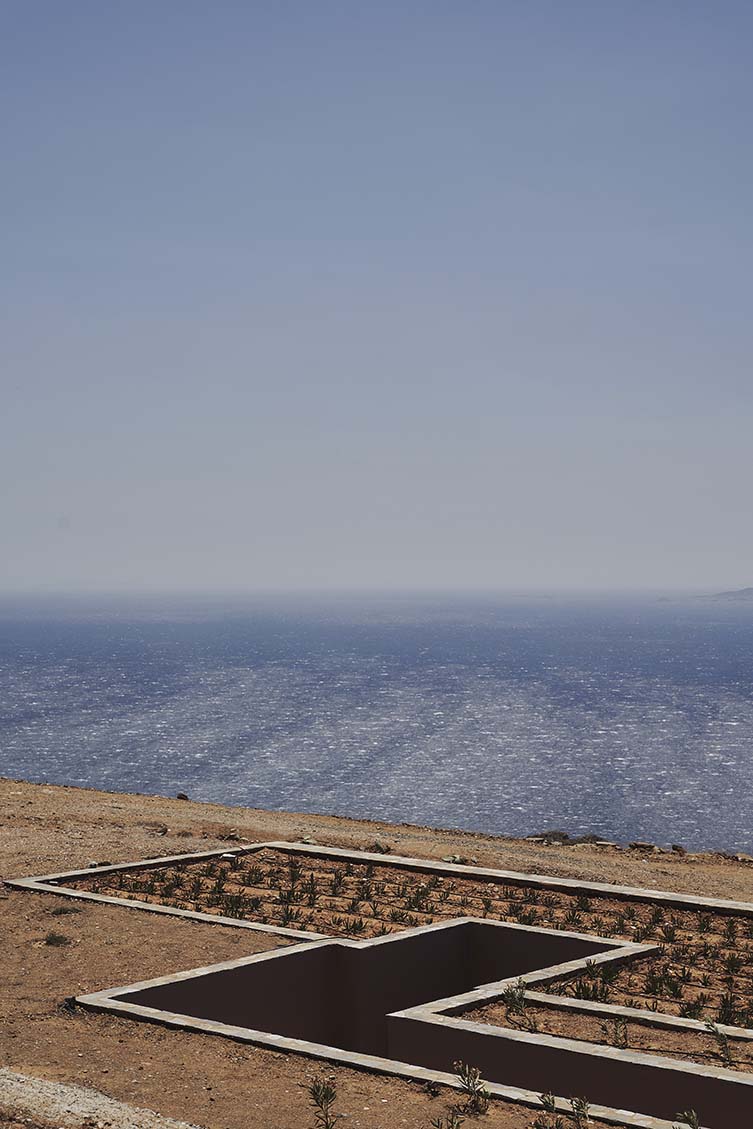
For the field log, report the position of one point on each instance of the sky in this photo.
(384, 295)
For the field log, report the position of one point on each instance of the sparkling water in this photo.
(629, 717)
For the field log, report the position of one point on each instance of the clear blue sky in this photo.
(376, 294)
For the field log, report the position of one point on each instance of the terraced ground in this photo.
(703, 971)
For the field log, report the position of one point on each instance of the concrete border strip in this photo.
(51, 884)
(111, 1000)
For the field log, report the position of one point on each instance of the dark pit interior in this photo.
(339, 995)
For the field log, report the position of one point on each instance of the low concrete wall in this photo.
(340, 994)
(288, 994)
(603, 1075)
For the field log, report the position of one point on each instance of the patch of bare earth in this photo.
(200, 1078)
(704, 969)
(690, 1046)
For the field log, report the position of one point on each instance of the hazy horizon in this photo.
(426, 591)
(399, 297)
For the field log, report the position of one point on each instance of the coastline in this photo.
(80, 825)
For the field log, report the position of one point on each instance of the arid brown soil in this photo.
(702, 1046)
(704, 969)
(201, 1078)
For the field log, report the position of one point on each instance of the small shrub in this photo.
(722, 1044)
(693, 1009)
(581, 1112)
(579, 1116)
(514, 999)
(551, 1119)
(56, 939)
(585, 989)
(616, 1032)
(728, 1010)
(474, 1088)
(323, 1096)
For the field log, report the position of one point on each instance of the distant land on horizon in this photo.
(738, 594)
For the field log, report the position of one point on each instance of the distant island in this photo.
(739, 595)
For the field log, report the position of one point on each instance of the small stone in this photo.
(181, 796)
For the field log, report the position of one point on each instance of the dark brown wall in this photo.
(287, 996)
(428, 966)
(340, 995)
(719, 1103)
(523, 952)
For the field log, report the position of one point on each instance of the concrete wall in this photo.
(286, 995)
(605, 1079)
(340, 995)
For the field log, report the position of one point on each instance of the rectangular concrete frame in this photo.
(118, 1000)
(51, 884)
(425, 1014)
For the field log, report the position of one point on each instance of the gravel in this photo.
(23, 1098)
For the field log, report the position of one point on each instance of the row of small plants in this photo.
(615, 1031)
(474, 1102)
(704, 969)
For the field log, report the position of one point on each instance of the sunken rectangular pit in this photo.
(339, 994)
(438, 946)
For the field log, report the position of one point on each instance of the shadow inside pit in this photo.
(339, 995)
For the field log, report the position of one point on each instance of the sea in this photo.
(625, 716)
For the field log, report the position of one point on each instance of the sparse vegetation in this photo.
(473, 1087)
(688, 1119)
(323, 1095)
(615, 1032)
(722, 1043)
(56, 940)
(452, 1121)
(514, 999)
(703, 969)
(578, 1115)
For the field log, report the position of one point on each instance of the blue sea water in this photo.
(629, 717)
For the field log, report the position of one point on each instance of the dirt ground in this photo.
(691, 1046)
(690, 974)
(200, 1078)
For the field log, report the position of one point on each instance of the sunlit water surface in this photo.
(630, 718)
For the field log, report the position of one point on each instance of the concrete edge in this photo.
(430, 866)
(100, 1001)
(641, 1016)
(115, 1000)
